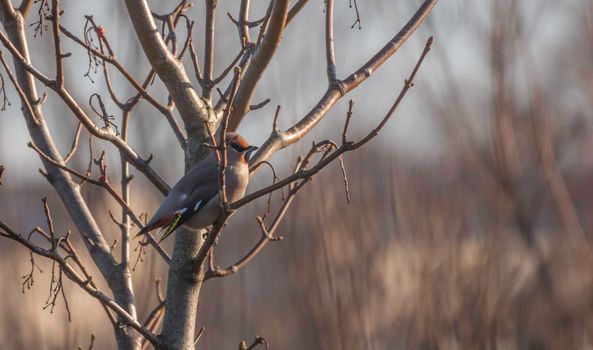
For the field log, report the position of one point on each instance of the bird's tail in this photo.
(141, 232)
(169, 222)
(149, 227)
(172, 227)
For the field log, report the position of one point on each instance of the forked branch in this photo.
(346, 145)
(338, 89)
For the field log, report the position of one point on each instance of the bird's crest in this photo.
(237, 141)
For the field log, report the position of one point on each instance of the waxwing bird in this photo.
(194, 200)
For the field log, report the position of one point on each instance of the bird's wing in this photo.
(191, 206)
(193, 190)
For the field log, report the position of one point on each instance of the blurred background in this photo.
(470, 225)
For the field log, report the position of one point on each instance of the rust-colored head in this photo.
(239, 144)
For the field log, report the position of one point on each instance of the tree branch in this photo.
(25, 7)
(345, 147)
(294, 11)
(74, 146)
(261, 58)
(267, 236)
(329, 41)
(104, 184)
(81, 282)
(141, 89)
(336, 91)
(196, 113)
(56, 14)
(139, 163)
(209, 48)
(183, 284)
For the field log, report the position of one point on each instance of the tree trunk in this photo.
(183, 291)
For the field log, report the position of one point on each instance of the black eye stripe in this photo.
(238, 147)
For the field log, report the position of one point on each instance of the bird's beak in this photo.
(248, 152)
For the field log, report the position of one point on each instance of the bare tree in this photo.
(192, 260)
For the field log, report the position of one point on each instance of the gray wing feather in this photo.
(200, 183)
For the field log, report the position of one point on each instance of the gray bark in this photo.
(183, 285)
(183, 292)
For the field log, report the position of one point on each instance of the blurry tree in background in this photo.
(204, 103)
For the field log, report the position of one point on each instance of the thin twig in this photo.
(258, 341)
(243, 24)
(209, 48)
(50, 224)
(42, 12)
(74, 146)
(222, 142)
(257, 106)
(357, 21)
(125, 196)
(227, 70)
(5, 100)
(329, 41)
(196, 64)
(345, 178)
(199, 335)
(347, 123)
(56, 14)
(92, 343)
(275, 122)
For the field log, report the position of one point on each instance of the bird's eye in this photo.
(238, 147)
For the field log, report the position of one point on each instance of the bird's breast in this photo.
(236, 179)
